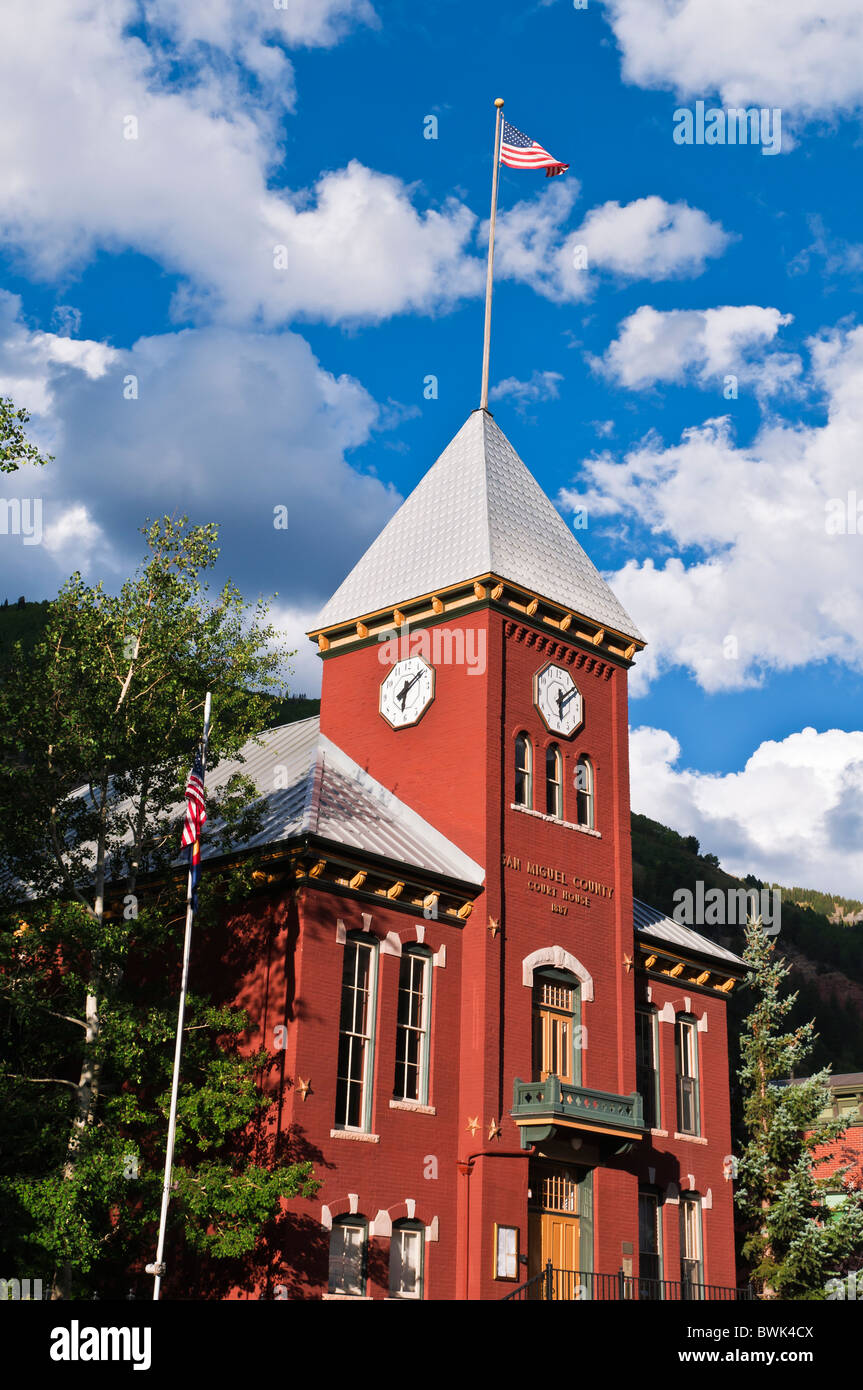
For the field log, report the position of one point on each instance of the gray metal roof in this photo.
(310, 786)
(653, 924)
(478, 510)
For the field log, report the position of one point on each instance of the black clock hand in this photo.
(403, 693)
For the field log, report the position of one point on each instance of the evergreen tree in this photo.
(794, 1241)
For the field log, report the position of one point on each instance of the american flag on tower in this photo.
(518, 151)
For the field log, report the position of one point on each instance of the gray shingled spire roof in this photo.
(478, 510)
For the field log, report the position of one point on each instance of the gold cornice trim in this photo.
(482, 588)
(664, 963)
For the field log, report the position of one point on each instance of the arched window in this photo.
(557, 1035)
(553, 782)
(412, 1025)
(584, 789)
(407, 1247)
(348, 1248)
(356, 1034)
(523, 771)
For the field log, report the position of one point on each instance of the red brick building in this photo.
(843, 1157)
(494, 1056)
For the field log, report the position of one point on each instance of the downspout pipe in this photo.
(465, 1167)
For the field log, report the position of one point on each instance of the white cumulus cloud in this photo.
(178, 167)
(540, 386)
(699, 346)
(648, 239)
(788, 54)
(223, 424)
(756, 551)
(793, 814)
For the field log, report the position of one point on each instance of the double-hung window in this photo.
(649, 1246)
(691, 1257)
(585, 807)
(553, 782)
(523, 771)
(646, 1064)
(407, 1248)
(686, 1058)
(348, 1246)
(356, 1035)
(412, 1027)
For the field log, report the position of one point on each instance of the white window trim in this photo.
(554, 820)
(560, 959)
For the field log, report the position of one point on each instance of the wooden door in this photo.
(553, 1232)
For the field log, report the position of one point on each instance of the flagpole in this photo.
(158, 1266)
(486, 348)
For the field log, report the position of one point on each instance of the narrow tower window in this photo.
(584, 792)
(553, 782)
(523, 771)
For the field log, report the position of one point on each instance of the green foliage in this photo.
(23, 625)
(15, 447)
(293, 708)
(663, 862)
(98, 724)
(793, 1242)
(822, 902)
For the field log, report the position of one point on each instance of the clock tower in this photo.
(475, 664)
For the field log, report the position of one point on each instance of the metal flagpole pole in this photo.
(158, 1266)
(483, 403)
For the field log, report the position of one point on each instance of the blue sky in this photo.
(156, 154)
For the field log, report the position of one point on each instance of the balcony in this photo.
(541, 1107)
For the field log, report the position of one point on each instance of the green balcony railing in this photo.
(552, 1100)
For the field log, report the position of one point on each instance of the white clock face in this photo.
(407, 692)
(558, 700)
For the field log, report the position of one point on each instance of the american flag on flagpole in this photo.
(518, 151)
(196, 814)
